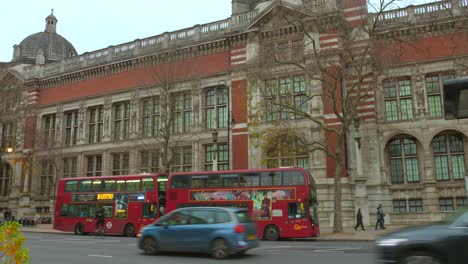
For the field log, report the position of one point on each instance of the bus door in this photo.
(148, 215)
(298, 220)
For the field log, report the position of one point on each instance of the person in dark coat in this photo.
(380, 218)
(359, 220)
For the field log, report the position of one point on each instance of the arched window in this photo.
(403, 156)
(449, 157)
(5, 179)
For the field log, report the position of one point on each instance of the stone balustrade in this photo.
(414, 14)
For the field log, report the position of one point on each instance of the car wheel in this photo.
(420, 258)
(129, 230)
(79, 229)
(150, 247)
(271, 233)
(241, 253)
(219, 249)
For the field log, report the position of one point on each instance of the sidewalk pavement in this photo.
(326, 233)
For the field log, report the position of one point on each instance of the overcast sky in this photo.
(94, 24)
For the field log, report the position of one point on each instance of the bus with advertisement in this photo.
(282, 201)
(130, 202)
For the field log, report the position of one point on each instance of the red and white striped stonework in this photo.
(328, 41)
(238, 55)
(355, 12)
(32, 97)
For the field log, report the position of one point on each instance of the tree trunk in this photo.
(337, 211)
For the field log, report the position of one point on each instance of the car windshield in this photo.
(243, 216)
(459, 218)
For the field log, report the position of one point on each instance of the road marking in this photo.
(132, 244)
(32, 237)
(100, 256)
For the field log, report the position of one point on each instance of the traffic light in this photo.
(456, 99)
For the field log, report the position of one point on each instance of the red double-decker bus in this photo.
(130, 202)
(282, 201)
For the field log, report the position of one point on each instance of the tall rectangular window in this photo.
(48, 129)
(8, 135)
(71, 128)
(216, 112)
(210, 153)
(69, 167)
(95, 124)
(182, 113)
(121, 120)
(120, 163)
(399, 206)
(46, 177)
(94, 165)
(151, 116)
(285, 98)
(149, 160)
(446, 204)
(434, 90)
(182, 159)
(398, 99)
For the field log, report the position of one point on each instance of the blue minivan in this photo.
(218, 231)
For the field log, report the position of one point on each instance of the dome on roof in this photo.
(48, 44)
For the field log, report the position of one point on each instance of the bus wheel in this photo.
(271, 233)
(79, 229)
(129, 230)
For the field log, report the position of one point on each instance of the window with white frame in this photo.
(210, 155)
(48, 129)
(182, 113)
(94, 165)
(8, 134)
(151, 116)
(121, 120)
(120, 163)
(449, 156)
(69, 167)
(5, 179)
(398, 99)
(434, 90)
(285, 98)
(71, 128)
(399, 206)
(182, 160)
(446, 204)
(95, 124)
(46, 177)
(404, 166)
(149, 160)
(216, 112)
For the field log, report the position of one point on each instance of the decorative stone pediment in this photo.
(278, 15)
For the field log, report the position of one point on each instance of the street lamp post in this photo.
(220, 91)
(214, 135)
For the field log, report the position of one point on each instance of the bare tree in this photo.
(163, 120)
(336, 82)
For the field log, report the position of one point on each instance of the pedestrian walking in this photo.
(7, 215)
(359, 220)
(100, 219)
(380, 218)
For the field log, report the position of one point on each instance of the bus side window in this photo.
(180, 181)
(96, 185)
(230, 180)
(132, 185)
(71, 210)
(85, 186)
(120, 186)
(108, 185)
(70, 186)
(270, 178)
(147, 184)
(251, 179)
(64, 210)
(82, 210)
(293, 178)
(92, 210)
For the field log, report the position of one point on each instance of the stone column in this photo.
(360, 196)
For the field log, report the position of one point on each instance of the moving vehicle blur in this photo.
(218, 231)
(441, 243)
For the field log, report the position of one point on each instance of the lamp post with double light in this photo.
(214, 135)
